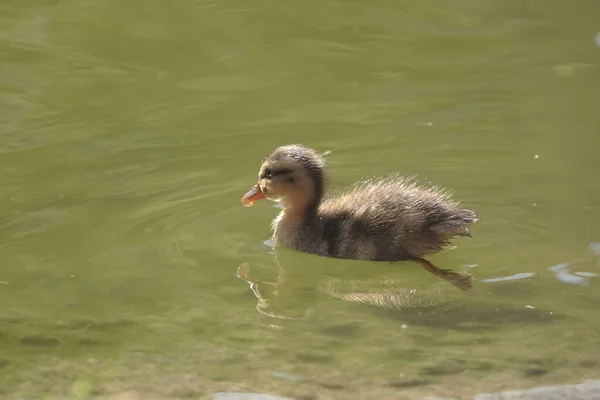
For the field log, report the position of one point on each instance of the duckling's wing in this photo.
(395, 218)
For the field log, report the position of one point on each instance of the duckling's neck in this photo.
(292, 220)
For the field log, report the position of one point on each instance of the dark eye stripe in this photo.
(281, 171)
(277, 172)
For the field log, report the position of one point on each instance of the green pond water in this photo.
(130, 130)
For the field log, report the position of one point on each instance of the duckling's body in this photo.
(383, 220)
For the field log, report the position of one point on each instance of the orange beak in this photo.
(253, 196)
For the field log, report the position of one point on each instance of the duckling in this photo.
(385, 219)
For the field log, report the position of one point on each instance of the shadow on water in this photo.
(446, 303)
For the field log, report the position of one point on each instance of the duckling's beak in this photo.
(253, 196)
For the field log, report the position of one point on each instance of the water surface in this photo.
(130, 130)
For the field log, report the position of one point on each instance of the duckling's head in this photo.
(291, 175)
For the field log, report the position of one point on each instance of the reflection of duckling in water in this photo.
(264, 304)
(390, 219)
(388, 294)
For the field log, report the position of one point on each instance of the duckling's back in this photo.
(389, 220)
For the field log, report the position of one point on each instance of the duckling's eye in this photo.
(268, 173)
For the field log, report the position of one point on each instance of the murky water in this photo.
(129, 131)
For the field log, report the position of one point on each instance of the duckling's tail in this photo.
(455, 223)
(466, 217)
(451, 222)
